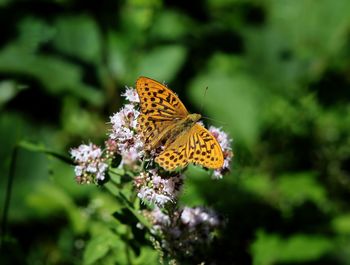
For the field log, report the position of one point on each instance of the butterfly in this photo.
(164, 118)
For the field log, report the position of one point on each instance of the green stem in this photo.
(8, 192)
(30, 147)
(127, 248)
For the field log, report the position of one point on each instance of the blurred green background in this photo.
(278, 73)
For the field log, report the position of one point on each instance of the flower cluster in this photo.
(225, 143)
(194, 217)
(182, 230)
(124, 130)
(158, 189)
(90, 162)
(185, 229)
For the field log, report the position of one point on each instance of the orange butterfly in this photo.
(164, 118)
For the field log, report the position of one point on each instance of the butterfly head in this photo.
(194, 117)
(189, 121)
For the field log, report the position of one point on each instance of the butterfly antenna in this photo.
(205, 93)
(207, 118)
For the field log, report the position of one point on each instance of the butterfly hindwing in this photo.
(196, 146)
(173, 157)
(203, 149)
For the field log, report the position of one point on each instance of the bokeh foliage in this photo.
(278, 78)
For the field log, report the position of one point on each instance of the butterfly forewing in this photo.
(160, 110)
(158, 101)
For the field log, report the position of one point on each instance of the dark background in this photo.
(278, 74)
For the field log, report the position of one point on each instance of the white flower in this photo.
(161, 199)
(130, 155)
(157, 190)
(123, 133)
(82, 153)
(131, 95)
(187, 216)
(150, 195)
(85, 152)
(184, 229)
(102, 167)
(90, 163)
(78, 170)
(159, 217)
(96, 153)
(217, 174)
(91, 168)
(199, 216)
(222, 137)
(123, 123)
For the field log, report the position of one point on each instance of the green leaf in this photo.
(55, 74)
(33, 33)
(288, 191)
(78, 36)
(271, 249)
(78, 121)
(148, 256)
(295, 189)
(41, 149)
(47, 199)
(99, 246)
(162, 63)
(341, 224)
(118, 49)
(171, 25)
(260, 185)
(292, 46)
(8, 90)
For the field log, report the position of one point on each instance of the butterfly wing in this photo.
(160, 110)
(196, 146)
(152, 130)
(203, 148)
(175, 155)
(159, 101)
